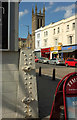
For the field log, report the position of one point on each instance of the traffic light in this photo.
(5, 23)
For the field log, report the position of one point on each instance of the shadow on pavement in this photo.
(46, 90)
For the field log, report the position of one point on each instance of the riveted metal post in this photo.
(53, 74)
(39, 71)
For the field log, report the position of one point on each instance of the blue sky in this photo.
(54, 11)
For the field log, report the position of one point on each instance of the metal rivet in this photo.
(25, 78)
(32, 99)
(25, 111)
(30, 77)
(30, 54)
(30, 63)
(30, 87)
(30, 110)
(30, 92)
(25, 73)
(30, 83)
(25, 83)
(25, 59)
(25, 63)
(30, 58)
(26, 106)
(25, 55)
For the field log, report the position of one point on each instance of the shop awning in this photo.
(55, 52)
(66, 51)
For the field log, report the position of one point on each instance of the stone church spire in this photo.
(44, 10)
(32, 11)
(36, 9)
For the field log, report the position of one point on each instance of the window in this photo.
(70, 39)
(56, 43)
(54, 31)
(73, 26)
(45, 42)
(38, 43)
(67, 27)
(38, 35)
(58, 30)
(45, 33)
(70, 60)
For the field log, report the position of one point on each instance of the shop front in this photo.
(45, 53)
(38, 53)
(68, 52)
(54, 52)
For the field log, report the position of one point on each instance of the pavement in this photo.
(46, 90)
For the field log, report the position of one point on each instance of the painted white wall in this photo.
(62, 36)
(38, 39)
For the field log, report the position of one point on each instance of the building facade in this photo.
(38, 20)
(22, 42)
(59, 35)
(29, 41)
(38, 41)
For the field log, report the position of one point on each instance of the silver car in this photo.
(56, 61)
(40, 59)
(45, 60)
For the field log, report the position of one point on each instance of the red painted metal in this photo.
(66, 92)
(61, 88)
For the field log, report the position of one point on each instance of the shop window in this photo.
(73, 26)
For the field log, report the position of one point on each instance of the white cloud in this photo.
(68, 10)
(51, 3)
(22, 13)
(49, 6)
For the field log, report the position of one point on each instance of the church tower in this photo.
(38, 20)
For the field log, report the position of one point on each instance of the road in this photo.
(47, 86)
(60, 71)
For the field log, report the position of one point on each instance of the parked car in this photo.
(45, 60)
(56, 61)
(71, 62)
(36, 59)
(40, 59)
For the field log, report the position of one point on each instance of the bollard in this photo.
(53, 74)
(39, 71)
